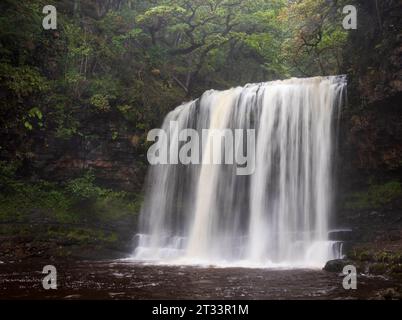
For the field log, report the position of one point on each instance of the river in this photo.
(119, 279)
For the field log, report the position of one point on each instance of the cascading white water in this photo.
(279, 215)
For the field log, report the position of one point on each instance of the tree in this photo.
(315, 36)
(190, 31)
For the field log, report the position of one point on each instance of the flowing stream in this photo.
(278, 216)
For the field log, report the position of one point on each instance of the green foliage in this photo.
(27, 198)
(81, 235)
(314, 37)
(376, 196)
(8, 183)
(21, 81)
(84, 187)
(74, 202)
(101, 102)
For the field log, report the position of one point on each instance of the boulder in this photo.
(336, 265)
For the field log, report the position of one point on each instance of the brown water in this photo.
(127, 280)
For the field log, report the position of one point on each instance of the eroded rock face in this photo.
(118, 163)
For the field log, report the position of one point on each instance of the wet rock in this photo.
(340, 235)
(390, 294)
(336, 265)
(73, 296)
(394, 235)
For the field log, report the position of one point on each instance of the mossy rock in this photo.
(391, 294)
(360, 254)
(337, 265)
(378, 268)
(366, 256)
(397, 269)
(388, 257)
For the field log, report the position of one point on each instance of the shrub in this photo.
(85, 188)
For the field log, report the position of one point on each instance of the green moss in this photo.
(397, 269)
(376, 196)
(378, 268)
(388, 257)
(77, 202)
(366, 256)
(24, 199)
(89, 236)
(78, 235)
(362, 254)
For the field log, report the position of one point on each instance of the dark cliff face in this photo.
(371, 142)
(118, 163)
(370, 148)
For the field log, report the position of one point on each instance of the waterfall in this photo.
(279, 215)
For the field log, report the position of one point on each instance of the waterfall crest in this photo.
(276, 217)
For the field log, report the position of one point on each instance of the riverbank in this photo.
(77, 219)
